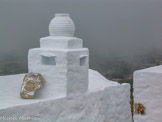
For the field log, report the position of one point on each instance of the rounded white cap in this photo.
(61, 25)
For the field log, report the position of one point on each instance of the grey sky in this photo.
(108, 27)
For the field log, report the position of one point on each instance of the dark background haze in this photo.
(109, 28)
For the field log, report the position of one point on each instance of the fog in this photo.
(109, 28)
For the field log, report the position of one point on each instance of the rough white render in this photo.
(148, 91)
(67, 75)
(62, 25)
(105, 100)
(55, 42)
(71, 92)
(61, 60)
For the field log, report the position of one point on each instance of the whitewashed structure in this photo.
(61, 59)
(148, 92)
(72, 92)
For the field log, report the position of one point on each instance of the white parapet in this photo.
(147, 92)
(106, 101)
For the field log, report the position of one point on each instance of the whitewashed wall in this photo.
(148, 91)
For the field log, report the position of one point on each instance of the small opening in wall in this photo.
(48, 60)
(83, 61)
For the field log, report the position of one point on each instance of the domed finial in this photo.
(62, 25)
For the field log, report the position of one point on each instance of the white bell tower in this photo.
(61, 60)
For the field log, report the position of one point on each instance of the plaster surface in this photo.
(105, 101)
(62, 25)
(66, 75)
(71, 91)
(55, 42)
(148, 91)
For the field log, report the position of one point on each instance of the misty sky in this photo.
(108, 27)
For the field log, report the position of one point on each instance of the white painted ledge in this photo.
(106, 100)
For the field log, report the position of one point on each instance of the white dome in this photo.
(62, 25)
